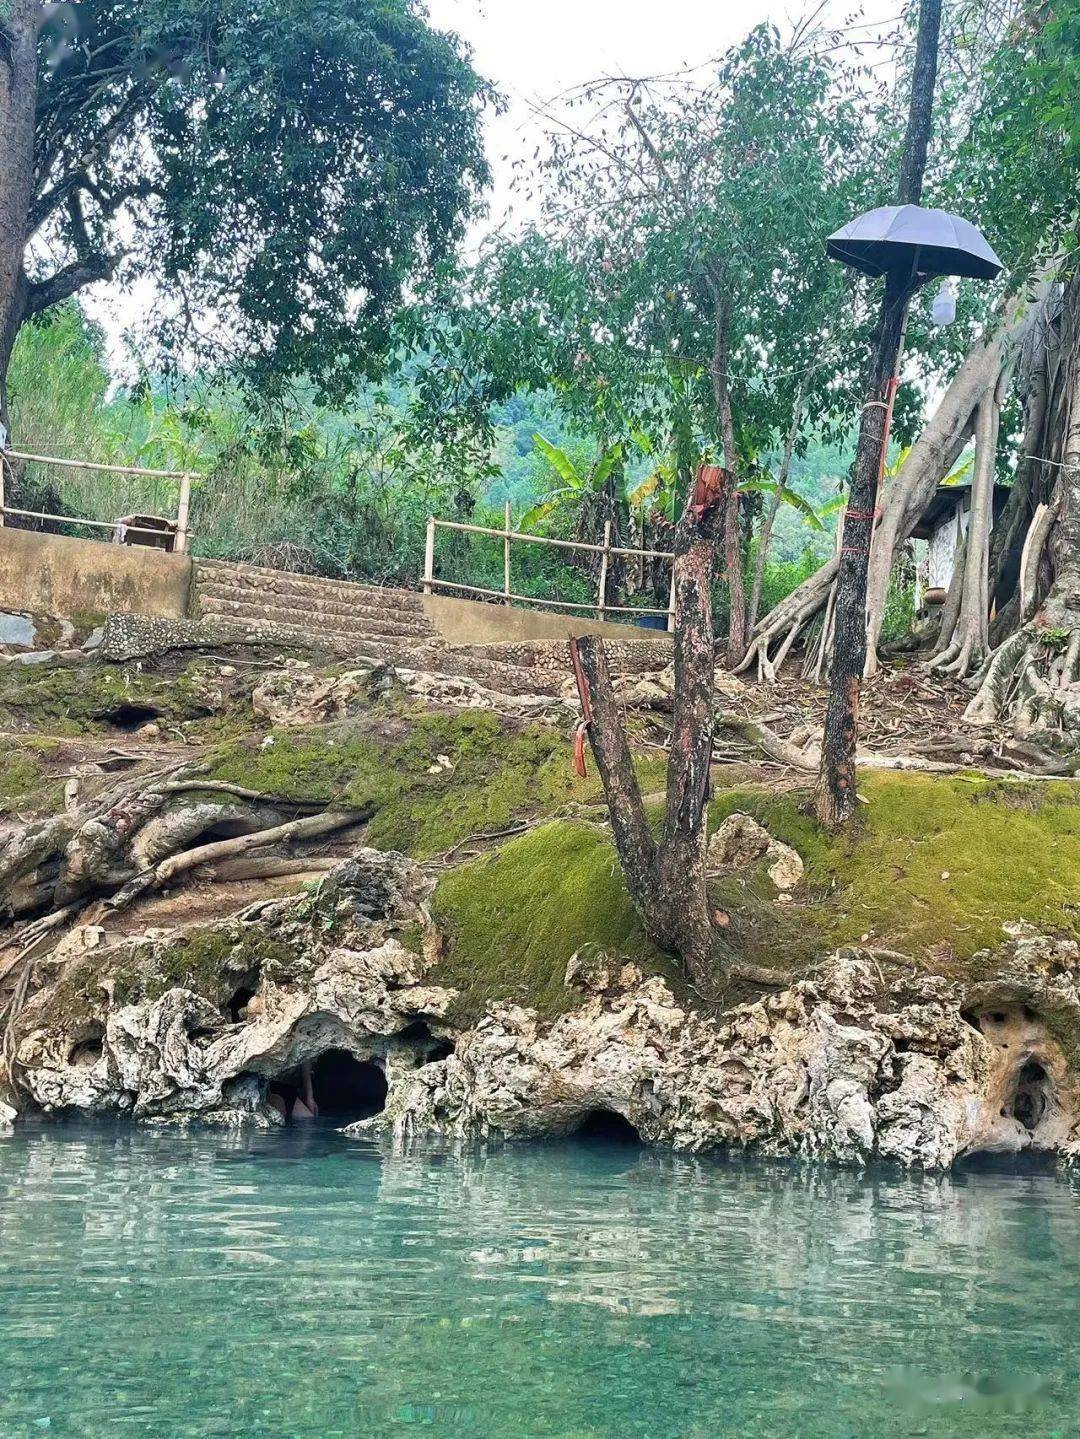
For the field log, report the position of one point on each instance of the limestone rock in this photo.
(741, 841)
(864, 1058)
(654, 690)
(836, 1067)
(293, 696)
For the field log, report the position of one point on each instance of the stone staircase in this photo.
(336, 615)
(356, 621)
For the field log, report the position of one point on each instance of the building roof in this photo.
(946, 500)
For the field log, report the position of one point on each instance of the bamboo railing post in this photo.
(183, 508)
(3, 466)
(602, 597)
(506, 553)
(429, 555)
(671, 600)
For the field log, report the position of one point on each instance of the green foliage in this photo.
(280, 173)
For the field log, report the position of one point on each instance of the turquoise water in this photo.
(302, 1284)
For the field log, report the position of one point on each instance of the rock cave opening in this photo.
(239, 1002)
(1032, 1095)
(607, 1126)
(347, 1087)
(425, 1046)
(87, 1050)
(130, 717)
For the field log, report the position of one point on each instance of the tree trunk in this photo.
(836, 786)
(18, 99)
(1029, 680)
(666, 879)
(965, 641)
(718, 371)
(905, 499)
(777, 500)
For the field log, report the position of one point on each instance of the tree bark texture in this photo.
(1032, 680)
(733, 571)
(18, 98)
(836, 786)
(666, 878)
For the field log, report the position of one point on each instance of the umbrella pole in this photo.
(836, 793)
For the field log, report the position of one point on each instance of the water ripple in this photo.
(303, 1284)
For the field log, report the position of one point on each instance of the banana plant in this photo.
(788, 496)
(577, 485)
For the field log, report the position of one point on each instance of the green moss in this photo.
(65, 700)
(934, 867)
(26, 784)
(210, 962)
(497, 772)
(514, 918)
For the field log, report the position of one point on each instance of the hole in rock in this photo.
(1023, 1161)
(426, 1047)
(607, 1125)
(88, 1050)
(130, 717)
(240, 1000)
(1032, 1088)
(345, 1085)
(227, 829)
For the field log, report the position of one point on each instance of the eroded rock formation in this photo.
(865, 1058)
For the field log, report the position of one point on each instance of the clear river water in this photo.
(296, 1284)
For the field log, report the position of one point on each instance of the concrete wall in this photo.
(54, 575)
(471, 622)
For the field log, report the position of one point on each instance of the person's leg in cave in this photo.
(305, 1107)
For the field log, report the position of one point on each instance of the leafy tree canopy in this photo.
(280, 171)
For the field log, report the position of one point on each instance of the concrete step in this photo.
(322, 636)
(289, 583)
(254, 604)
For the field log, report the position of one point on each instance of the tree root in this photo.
(133, 827)
(171, 869)
(1028, 682)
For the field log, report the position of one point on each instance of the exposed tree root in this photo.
(143, 832)
(1029, 682)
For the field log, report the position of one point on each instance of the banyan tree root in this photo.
(965, 638)
(144, 832)
(906, 496)
(1030, 682)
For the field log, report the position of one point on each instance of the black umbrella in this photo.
(907, 238)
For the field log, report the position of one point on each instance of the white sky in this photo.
(532, 51)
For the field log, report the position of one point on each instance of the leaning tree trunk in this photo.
(665, 878)
(1030, 680)
(18, 99)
